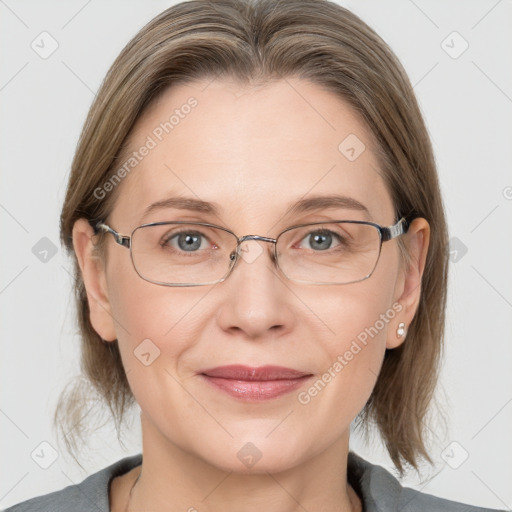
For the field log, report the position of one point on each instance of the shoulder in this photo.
(91, 494)
(380, 491)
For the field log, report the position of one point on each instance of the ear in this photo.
(408, 288)
(93, 274)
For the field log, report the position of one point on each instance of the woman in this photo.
(261, 259)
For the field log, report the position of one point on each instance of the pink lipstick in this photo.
(255, 384)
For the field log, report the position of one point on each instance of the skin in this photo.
(253, 151)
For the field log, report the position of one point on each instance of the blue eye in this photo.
(320, 240)
(188, 241)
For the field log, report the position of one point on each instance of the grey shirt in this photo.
(378, 489)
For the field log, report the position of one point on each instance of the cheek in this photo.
(356, 314)
(357, 321)
(155, 326)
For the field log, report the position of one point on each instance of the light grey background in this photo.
(467, 102)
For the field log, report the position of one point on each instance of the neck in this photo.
(173, 479)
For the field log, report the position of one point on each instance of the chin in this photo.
(257, 456)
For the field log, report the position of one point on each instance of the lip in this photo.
(255, 383)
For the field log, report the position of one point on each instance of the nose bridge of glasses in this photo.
(250, 252)
(256, 237)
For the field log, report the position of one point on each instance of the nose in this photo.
(256, 299)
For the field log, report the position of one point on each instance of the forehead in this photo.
(252, 151)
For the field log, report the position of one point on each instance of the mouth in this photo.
(254, 383)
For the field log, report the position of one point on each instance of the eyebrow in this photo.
(183, 203)
(304, 205)
(330, 201)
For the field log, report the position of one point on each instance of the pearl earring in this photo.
(401, 330)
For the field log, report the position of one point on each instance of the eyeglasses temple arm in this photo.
(120, 239)
(398, 229)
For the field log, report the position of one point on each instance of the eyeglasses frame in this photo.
(386, 233)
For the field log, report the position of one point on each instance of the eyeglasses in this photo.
(196, 253)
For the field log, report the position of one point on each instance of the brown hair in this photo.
(255, 42)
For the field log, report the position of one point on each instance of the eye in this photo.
(321, 240)
(188, 241)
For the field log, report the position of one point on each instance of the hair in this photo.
(257, 42)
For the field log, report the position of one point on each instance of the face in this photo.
(253, 153)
